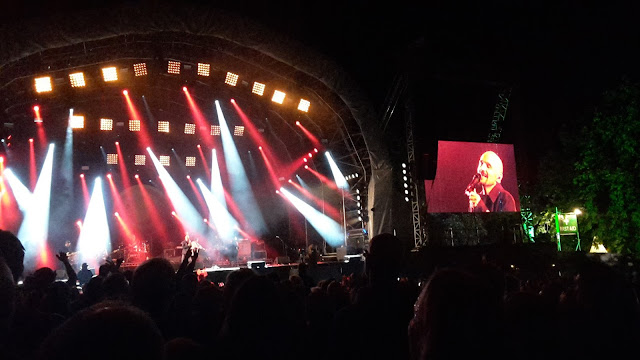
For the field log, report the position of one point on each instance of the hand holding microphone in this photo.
(474, 198)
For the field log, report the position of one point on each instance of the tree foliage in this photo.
(608, 170)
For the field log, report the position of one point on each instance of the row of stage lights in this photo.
(44, 84)
(406, 178)
(78, 122)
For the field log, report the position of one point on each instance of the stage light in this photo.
(43, 84)
(404, 165)
(82, 176)
(184, 88)
(140, 69)
(278, 97)
(198, 146)
(140, 160)
(215, 130)
(305, 159)
(231, 79)
(134, 125)
(125, 92)
(190, 161)
(76, 122)
(163, 126)
(36, 108)
(204, 69)
(112, 159)
(106, 124)
(117, 143)
(137, 176)
(297, 122)
(165, 160)
(108, 176)
(30, 140)
(116, 214)
(258, 88)
(315, 150)
(306, 166)
(77, 79)
(310, 155)
(304, 105)
(174, 67)
(173, 213)
(238, 131)
(109, 74)
(190, 129)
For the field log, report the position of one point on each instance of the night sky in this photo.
(557, 56)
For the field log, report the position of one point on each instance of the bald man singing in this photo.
(488, 195)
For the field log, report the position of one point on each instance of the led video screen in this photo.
(473, 177)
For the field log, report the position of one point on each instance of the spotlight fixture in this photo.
(238, 130)
(140, 69)
(106, 124)
(112, 159)
(190, 129)
(165, 160)
(76, 122)
(304, 105)
(139, 160)
(190, 161)
(110, 74)
(163, 126)
(231, 79)
(204, 69)
(258, 88)
(278, 97)
(77, 79)
(215, 130)
(43, 84)
(134, 125)
(173, 67)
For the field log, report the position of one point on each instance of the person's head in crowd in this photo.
(232, 283)
(455, 317)
(85, 266)
(12, 253)
(105, 331)
(153, 286)
(384, 258)
(116, 286)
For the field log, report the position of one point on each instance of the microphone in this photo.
(474, 181)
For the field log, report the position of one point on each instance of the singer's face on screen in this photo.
(490, 169)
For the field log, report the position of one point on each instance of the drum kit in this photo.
(132, 253)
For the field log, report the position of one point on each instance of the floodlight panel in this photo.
(140, 69)
(238, 130)
(140, 160)
(76, 122)
(112, 159)
(77, 79)
(204, 69)
(106, 124)
(190, 129)
(43, 84)
(304, 105)
(110, 74)
(134, 125)
(278, 97)
(231, 79)
(163, 126)
(215, 130)
(173, 67)
(165, 160)
(190, 161)
(258, 88)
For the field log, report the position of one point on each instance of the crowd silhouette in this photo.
(471, 310)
